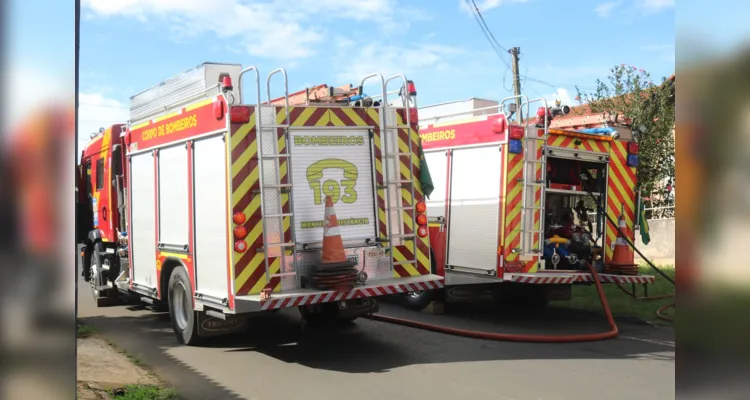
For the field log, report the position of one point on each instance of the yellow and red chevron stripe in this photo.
(513, 196)
(514, 192)
(380, 184)
(409, 170)
(249, 268)
(620, 191)
(571, 142)
(622, 180)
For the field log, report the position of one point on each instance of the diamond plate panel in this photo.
(291, 282)
(267, 116)
(196, 83)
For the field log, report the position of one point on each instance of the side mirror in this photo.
(117, 160)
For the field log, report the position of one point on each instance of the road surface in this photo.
(369, 360)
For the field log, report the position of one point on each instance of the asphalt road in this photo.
(278, 360)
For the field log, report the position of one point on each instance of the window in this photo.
(99, 173)
(89, 189)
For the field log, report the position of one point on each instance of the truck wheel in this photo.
(95, 272)
(417, 301)
(184, 321)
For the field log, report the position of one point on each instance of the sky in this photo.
(130, 45)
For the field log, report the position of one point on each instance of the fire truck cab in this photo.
(518, 208)
(210, 203)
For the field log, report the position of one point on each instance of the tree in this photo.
(632, 99)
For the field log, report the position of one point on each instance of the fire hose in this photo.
(660, 311)
(571, 338)
(509, 337)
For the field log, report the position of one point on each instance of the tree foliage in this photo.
(633, 98)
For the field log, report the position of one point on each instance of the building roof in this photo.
(582, 115)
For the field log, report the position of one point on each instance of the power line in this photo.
(479, 13)
(487, 33)
(498, 47)
(491, 39)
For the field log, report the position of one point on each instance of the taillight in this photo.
(633, 154)
(516, 132)
(632, 160)
(239, 114)
(413, 116)
(499, 125)
(515, 146)
(422, 230)
(219, 109)
(239, 218)
(240, 246)
(240, 232)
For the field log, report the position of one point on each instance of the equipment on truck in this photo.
(214, 208)
(518, 207)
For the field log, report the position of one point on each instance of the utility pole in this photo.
(515, 52)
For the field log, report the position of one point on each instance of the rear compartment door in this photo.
(438, 165)
(338, 163)
(474, 209)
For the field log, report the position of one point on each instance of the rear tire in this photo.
(183, 317)
(418, 301)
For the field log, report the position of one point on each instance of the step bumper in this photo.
(562, 278)
(375, 288)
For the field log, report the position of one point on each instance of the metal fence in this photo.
(657, 213)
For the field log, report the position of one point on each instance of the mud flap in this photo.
(209, 326)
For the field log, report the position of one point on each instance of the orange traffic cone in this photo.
(335, 271)
(622, 257)
(333, 245)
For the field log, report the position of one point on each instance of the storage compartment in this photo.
(565, 175)
(573, 226)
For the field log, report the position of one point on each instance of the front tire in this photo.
(96, 278)
(184, 319)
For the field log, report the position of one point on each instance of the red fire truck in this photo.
(514, 210)
(212, 206)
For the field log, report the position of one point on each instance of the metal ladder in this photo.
(393, 182)
(271, 187)
(529, 231)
